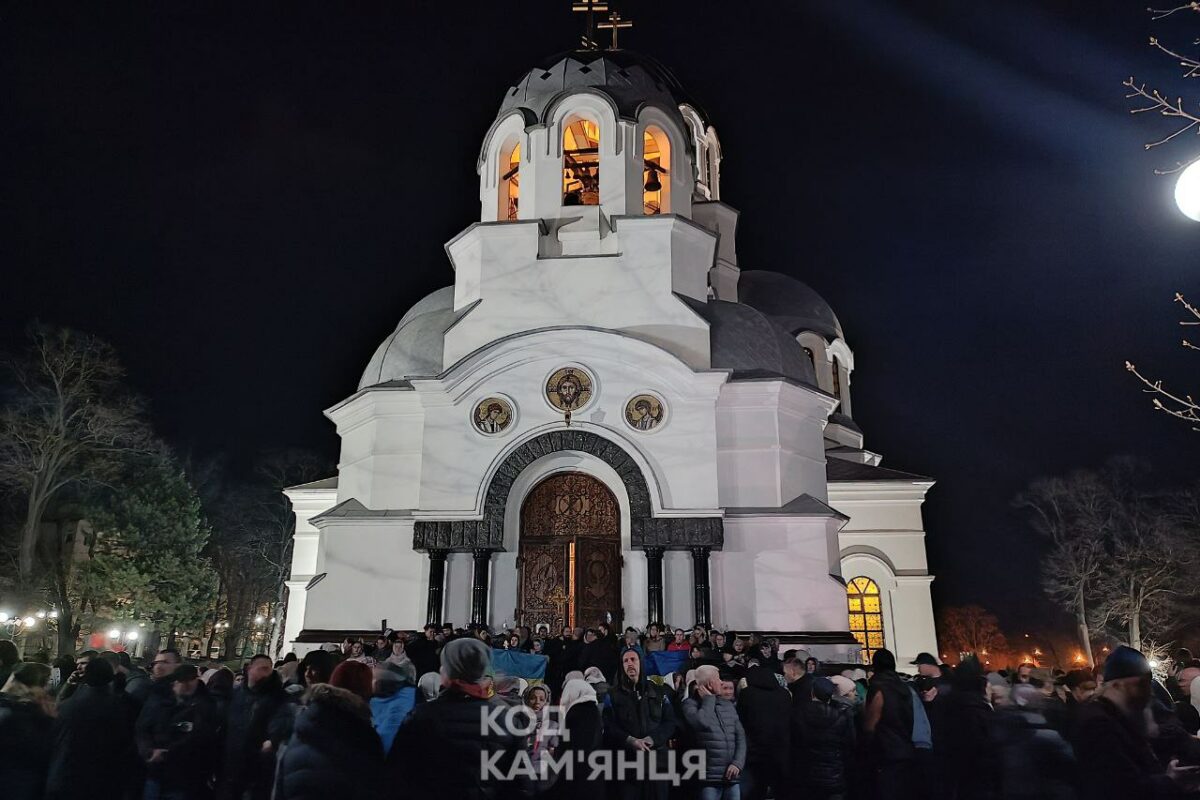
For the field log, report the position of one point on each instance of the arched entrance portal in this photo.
(570, 553)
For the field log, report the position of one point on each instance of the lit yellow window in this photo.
(864, 604)
(581, 162)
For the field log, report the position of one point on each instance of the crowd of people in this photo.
(426, 715)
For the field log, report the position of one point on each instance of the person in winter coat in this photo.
(714, 722)
(333, 748)
(439, 751)
(26, 726)
(257, 722)
(581, 736)
(9, 658)
(762, 707)
(394, 697)
(94, 730)
(177, 739)
(827, 739)
(967, 755)
(638, 717)
(888, 728)
(1111, 746)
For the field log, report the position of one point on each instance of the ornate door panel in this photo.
(545, 582)
(597, 580)
(570, 552)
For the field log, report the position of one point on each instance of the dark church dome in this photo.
(750, 344)
(790, 303)
(628, 79)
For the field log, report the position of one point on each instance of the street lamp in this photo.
(5, 616)
(114, 634)
(29, 622)
(1187, 191)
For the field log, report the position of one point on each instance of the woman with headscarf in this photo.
(639, 718)
(439, 751)
(26, 722)
(581, 735)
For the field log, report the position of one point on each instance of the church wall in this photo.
(306, 504)
(371, 573)
(679, 602)
(500, 265)
(458, 461)
(774, 574)
(380, 462)
(770, 445)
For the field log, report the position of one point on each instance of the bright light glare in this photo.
(132, 636)
(41, 615)
(258, 620)
(53, 615)
(114, 634)
(1187, 191)
(1154, 662)
(29, 622)
(5, 616)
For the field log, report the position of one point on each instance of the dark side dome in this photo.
(792, 304)
(629, 79)
(751, 345)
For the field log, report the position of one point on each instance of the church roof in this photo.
(324, 483)
(750, 344)
(803, 506)
(839, 470)
(792, 304)
(415, 347)
(630, 80)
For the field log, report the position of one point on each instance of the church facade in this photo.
(604, 417)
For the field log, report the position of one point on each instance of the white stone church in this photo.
(604, 416)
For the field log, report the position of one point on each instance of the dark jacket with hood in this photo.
(439, 750)
(25, 741)
(93, 731)
(826, 732)
(762, 707)
(637, 711)
(333, 748)
(255, 715)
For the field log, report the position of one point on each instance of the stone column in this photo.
(654, 584)
(437, 587)
(700, 581)
(479, 586)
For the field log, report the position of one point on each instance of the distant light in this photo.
(1154, 661)
(29, 622)
(53, 615)
(258, 620)
(114, 634)
(132, 636)
(41, 615)
(1187, 191)
(141, 624)
(272, 620)
(5, 616)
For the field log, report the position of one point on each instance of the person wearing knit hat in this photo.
(355, 677)
(1112, 747)
(439, 750)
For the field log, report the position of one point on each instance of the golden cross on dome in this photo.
(615, 24)
(589, 7)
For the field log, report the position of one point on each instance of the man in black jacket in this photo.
(92, 732)
(888, 728)
(763, 707)
(639, 717)
(444, 747)
(258, 721)
(177, 739)
(1111, 746)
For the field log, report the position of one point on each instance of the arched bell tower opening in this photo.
(656, 171)
(570, 553)
(509, 185)
(581, 161)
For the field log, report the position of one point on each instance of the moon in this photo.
(1187, 191)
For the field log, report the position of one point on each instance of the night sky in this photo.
(245, 198)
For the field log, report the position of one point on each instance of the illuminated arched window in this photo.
(866, 615)
(581, 162)
(510, 183)
(656, 181)
(837, 379)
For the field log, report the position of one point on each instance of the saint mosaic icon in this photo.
(644, 412)
(569, 389)
(493, 415)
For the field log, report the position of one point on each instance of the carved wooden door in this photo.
(570, 552)
(597, 581)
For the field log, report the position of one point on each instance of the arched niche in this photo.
(657, 171)
(662, 142)
(581, 160)
(498, 168)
